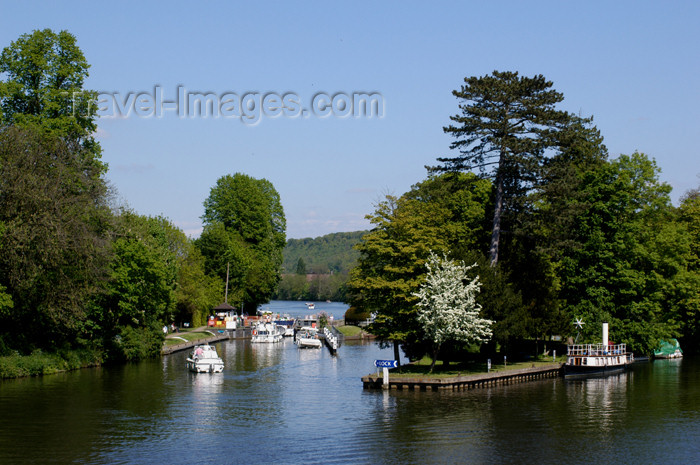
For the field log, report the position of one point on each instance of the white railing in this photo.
(331, 338)
(596, 350)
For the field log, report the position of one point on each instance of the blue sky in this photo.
(633, 66)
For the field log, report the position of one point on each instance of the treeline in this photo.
(317, 269)
(332, 253)
(558, 230)
(313, 287)
(77, 270)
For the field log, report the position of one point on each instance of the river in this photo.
(278, 404)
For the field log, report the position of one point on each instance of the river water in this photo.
(275, 403)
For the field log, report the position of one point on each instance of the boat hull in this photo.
(266, 338)
(309, 343)
(573, 371)
(213, 366)
(669, 356)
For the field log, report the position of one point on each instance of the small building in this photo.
(225, 316)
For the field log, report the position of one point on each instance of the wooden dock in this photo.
(459, 383)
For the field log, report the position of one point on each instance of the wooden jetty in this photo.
(459, 383)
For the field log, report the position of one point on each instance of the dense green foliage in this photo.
(573, 234)
(313, 287)
(77, 275)
(244, 227)
(332, 253)
(55, 240)
(45, 72)
(54, 219)
(317, 269)
(442, 213)
(506, 122)
(42, 363)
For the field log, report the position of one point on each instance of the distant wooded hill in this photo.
(332, 253)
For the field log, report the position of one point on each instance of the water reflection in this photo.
(275, 403)
(596, 403)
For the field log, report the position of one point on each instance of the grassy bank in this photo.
(42, 363)
(188, 336)
(350, 331)
(421, 367)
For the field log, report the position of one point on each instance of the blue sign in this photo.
(386, 363)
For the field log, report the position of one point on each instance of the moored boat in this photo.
(307, 338)
(266, 333)
(669, 349)
(204, 359)
(286, 325)
(596, 359)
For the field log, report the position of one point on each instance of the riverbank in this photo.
(352, 333)
(41, 363)
(175, 342)
(437, 382)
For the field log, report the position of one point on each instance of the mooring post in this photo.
(385, 382)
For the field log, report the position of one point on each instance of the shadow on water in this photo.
(277, 403)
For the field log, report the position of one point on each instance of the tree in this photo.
(139, 297)
(544, 230)
(447, 308)
(442, 213)
(506, 122)
(44, 88)
(301, 266)
(244, 226)
(390, 267)
(687, 290)
(55, 245)
(630, 258)
(196, 292)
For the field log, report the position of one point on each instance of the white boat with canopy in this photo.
(204, 359)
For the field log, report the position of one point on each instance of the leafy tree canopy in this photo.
(331, 253)
(447, 308)
(45, 72)
(505, 125)
(244, 227)
(55, 240)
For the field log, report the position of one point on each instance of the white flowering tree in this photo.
(447, 308)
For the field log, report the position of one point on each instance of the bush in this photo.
(134, 344)
(354, 316)
(40, 363)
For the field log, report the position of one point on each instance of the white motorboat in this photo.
(266, 333)
(286, 325)
(204, 359)
(306, 338)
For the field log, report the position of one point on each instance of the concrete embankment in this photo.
(455, 383)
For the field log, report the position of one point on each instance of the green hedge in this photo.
(41, 363)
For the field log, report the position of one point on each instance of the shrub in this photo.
(354, 316)
(135, 344)
(40, 363)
